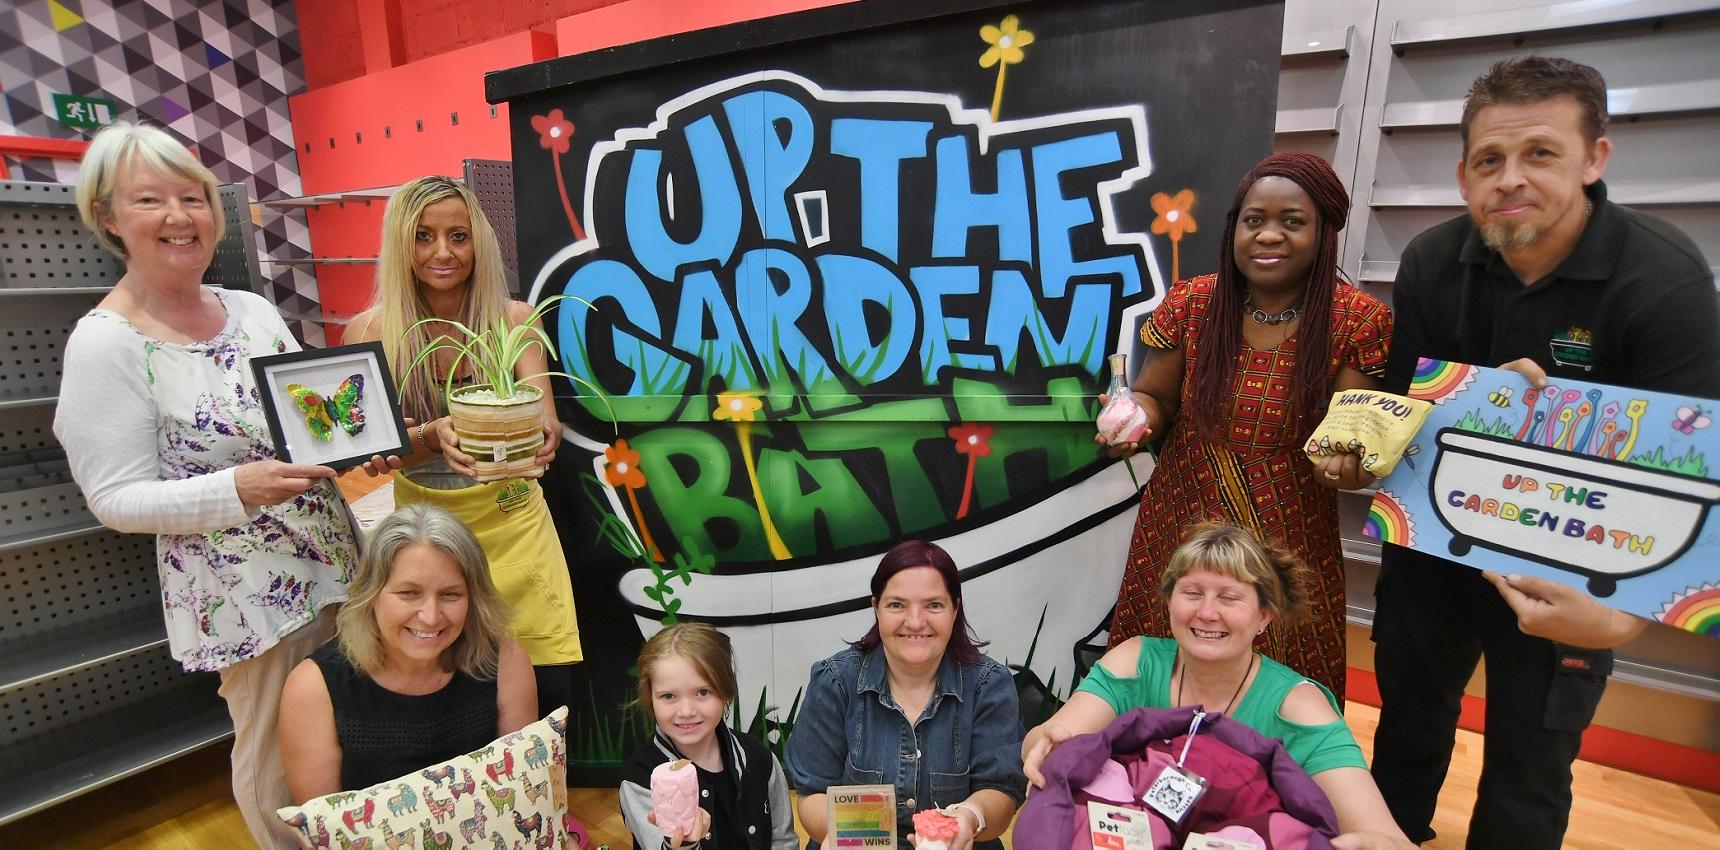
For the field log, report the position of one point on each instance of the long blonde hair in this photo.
(477, 651)
(398, 303)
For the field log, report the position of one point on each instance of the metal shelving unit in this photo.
(88, 691)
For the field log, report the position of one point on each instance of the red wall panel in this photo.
(329, 40)
(638, 20)
(420, 118)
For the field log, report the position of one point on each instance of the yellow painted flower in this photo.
(737, 407)
(1006, 40)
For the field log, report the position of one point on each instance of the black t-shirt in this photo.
(1633, 305)
(384, 735)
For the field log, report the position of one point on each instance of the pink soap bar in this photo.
(675, 796)
(1123, 420)
(935, 829)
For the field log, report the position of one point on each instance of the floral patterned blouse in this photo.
(154, 431)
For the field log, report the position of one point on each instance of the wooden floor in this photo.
(187, 804)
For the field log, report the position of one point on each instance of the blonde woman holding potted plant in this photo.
(439, 276)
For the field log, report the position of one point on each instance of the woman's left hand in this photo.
(551, 441)
(1341, 471)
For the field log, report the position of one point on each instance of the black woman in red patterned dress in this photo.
(1239, 368)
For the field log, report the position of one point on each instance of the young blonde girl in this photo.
(687, 682)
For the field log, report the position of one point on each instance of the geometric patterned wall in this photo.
(214, 73)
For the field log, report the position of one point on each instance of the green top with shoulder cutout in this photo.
(1315, 748)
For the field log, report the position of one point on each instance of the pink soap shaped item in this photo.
(935, 829)
(675, 796)
(1123, 420)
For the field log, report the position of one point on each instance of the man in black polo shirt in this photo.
(1549, 278)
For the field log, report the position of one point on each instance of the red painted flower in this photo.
(554, 132)
(622, 466)
(972, 439)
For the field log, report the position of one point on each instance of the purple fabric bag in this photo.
(1052, 815)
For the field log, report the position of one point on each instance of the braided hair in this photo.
(1220, 339)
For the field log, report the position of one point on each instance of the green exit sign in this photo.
(87, 112)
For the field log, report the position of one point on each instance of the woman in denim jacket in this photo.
(962, 750)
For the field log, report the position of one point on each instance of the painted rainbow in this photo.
(1387, 522)
(1438, 380)
(1695, 610)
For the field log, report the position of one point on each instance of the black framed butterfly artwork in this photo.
(336, 407)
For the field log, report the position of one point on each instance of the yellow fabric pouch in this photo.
(1377, 426)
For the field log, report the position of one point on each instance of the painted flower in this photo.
(554, 132)
(1174, 216)
(737, 407)
(972, 439)
(1006, 40)
(622, 466)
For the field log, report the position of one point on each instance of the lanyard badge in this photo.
(1177, 789)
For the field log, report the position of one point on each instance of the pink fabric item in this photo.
(1111, 785)
(675, 796)
(1242, 833)
(935, 830)
(1288, 833)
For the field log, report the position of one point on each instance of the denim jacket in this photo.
(851, 732)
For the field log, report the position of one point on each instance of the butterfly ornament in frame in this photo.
(342, 408)
(335, 407)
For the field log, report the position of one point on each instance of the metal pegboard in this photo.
(27, 433)
(33, 331)
(52, 587)
(42, 243)
(492, 180)
(101, 692)
(43, 513)
(234, 265)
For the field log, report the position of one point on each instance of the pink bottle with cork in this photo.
(1123, 420)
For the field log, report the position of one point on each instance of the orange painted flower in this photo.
(972, 439)
(1006, 40)
(554, 132)
(622, 466)
(737, 407)
(1174, 214)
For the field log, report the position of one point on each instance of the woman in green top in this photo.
(1223, 587)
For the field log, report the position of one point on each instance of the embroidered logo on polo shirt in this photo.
(512, 494)
(1571, 347)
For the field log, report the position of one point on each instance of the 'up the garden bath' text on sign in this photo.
(1605, 488)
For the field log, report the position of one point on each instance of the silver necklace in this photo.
(1261, 317)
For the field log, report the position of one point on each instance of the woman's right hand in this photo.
(1037, 747)
(1122, 450)
(271, 482)
(448, 445)
(701, 828)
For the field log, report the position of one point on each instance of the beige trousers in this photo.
(252, 689)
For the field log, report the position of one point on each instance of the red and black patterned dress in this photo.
(1258, 478)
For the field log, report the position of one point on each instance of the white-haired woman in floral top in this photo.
(164, 430)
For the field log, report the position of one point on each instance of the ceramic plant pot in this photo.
(504, 435)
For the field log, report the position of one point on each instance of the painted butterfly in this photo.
(321, 413)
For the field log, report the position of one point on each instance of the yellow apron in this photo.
(513, 525)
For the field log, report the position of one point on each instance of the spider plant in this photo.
(494, 352)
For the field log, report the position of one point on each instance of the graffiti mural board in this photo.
(853, 275)
(1604, 488)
